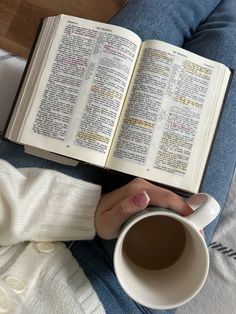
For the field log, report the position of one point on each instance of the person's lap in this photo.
(174, 22)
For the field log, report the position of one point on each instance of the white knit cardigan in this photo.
(38, 209)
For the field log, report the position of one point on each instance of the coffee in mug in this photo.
(144, 244)
(161, 259)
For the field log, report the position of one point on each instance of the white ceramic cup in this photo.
(179, 282)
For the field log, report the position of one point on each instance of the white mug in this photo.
(161, 259)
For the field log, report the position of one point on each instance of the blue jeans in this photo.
(207, 28)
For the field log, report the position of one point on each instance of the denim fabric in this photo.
(207, 28)
(173, 21)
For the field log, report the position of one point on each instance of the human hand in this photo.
(117, 206)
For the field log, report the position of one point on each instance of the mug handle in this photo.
(205, 207)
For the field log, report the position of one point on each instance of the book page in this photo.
(80, 91)
(170, 116)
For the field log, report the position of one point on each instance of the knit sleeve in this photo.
(45, 205)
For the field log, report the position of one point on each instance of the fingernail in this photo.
(141, 199)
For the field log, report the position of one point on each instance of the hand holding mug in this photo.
(119, 205)
(161, 259)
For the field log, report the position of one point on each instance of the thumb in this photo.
(117, 215)
(132, 205)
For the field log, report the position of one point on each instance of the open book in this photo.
(94, 92)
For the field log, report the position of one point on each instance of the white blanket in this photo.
(11, 69)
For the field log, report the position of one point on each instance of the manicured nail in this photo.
(141, 199)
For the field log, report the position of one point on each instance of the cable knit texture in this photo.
(38, 274)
